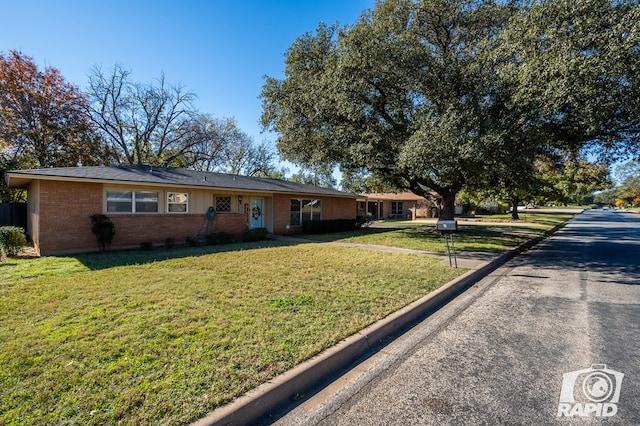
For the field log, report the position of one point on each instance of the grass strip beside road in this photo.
(163, 337)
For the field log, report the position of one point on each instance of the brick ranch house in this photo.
(389, 205)
(152, 204)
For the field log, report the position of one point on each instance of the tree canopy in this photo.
(47, 122)
(42, 120)
(445, 94)
(142, 123)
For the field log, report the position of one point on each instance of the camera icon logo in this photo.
(593, 391)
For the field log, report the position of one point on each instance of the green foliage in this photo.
(628, 186)
(573, 67)
(361, 181)
(11, 195)
(221, 237)
(12, 240)
(103, 229)
(320, 175)
(146, 246)
(255, 234)
(459, 93)
(575, 181)
(169, 243)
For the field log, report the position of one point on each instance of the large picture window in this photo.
(305, 210)
(177, 202)
(146, 202)
(397, 208)
(132, 202)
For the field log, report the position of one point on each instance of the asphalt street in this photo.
(527, 345)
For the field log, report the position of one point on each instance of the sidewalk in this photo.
(467, 260)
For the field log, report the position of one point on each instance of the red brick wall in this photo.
(332, 208)
(133, 229)
(64, 212)
(65, 227)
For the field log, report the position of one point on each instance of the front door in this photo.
(255, 213)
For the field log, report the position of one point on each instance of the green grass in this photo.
(545, 219)
(163, 337)
(426, 239)
(478, 236)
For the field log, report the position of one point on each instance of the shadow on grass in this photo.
(472, 238)
(337, 236)
(475, 239)
(109, 259)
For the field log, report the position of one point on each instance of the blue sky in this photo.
(220, 50)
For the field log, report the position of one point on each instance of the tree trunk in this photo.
(514, 208)
(448, 209)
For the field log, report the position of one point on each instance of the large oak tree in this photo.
(442, 94)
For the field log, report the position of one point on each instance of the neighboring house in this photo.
(403, 205)
(152, 204)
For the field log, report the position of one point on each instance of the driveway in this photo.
(518, 347)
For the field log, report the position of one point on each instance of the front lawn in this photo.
(163, 337)
(544, 219)
(480, 236)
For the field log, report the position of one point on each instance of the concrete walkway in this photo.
(466, 259)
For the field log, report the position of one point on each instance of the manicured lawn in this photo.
(163, 337)
(545, 219)
(472, 237)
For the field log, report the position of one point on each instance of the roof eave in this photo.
(24, 179)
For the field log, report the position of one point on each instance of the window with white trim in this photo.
(303, 211)
(177, 202)
(132, 202)
(397, 208)
(223, 204)
(146, 202)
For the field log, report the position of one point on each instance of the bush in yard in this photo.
(221, 237)
(146, 246)
(169, 243)
(255, 234)
(488, 207)
(327, 226)
(12, 240)
(362, 221)
(103, 229)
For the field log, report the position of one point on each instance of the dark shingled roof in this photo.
(173, 176)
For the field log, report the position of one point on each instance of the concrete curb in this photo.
(269, 398)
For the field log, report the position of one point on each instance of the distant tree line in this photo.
(626, 193)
